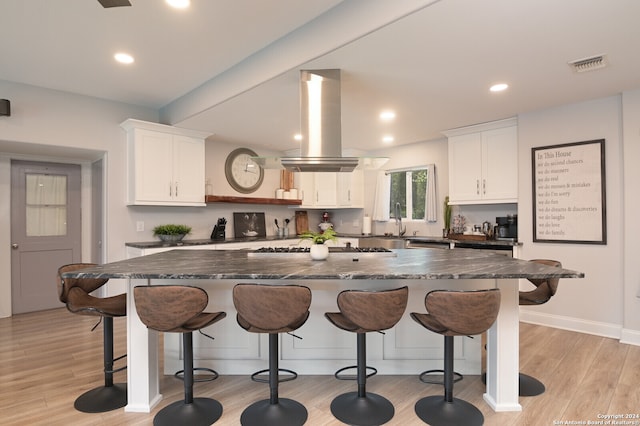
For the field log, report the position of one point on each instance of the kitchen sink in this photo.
(385, 242)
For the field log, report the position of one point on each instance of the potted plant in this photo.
(447, 217)
(319, 251)
(171, 232)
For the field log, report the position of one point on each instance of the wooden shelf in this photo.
(250, 200)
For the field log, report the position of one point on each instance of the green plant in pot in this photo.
(446, 211)
(171, 232)
(319, 251)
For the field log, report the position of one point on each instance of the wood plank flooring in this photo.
(49, 358)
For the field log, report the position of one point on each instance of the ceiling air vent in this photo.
(588, 64)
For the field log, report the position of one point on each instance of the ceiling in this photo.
(231, 67)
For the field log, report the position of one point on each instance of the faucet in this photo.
(398, 214)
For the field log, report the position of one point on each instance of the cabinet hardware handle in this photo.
(484, 187)
(477, 186)
(170, 190)
(176, 189)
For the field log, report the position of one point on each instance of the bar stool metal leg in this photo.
(110, 396)
(191, 411)
(274, 411)
(438, 410)
(362, 408)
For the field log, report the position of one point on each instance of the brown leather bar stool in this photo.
(179, 309)
(362, 312)
(455, 313)
(75, 294)
(272, 309)
(545, 289)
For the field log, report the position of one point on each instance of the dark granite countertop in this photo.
(202, 242)
(418, 238)
(408, 264)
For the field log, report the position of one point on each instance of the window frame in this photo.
(408, 192)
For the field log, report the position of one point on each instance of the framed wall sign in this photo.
(569, 197)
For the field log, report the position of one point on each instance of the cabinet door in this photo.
(465, 167)
(188, 169)
(326, 189)
(350, 187)
(344, 189)
(500, 164)
(306, 184)
(152, 166)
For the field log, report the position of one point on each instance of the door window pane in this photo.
(46, 205)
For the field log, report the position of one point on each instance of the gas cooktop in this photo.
(300, 250)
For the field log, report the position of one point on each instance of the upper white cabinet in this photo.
(165, 165)
(483, 163)
(331, 190)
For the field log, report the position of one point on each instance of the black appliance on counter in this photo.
(507, 228)
(219, 229)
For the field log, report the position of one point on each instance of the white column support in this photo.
(502, 351)
(142, 359)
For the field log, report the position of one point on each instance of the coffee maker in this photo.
(507, 228)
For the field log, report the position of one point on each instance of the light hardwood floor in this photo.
(48, 358)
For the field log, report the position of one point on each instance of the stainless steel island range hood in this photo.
(321, 129)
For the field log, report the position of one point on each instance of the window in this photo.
(409, 188)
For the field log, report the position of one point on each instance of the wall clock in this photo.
(243, 174)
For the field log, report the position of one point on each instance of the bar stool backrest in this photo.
(272, 308)
(464, 313)
(550, 285)
(373, 310)
(87, 285)
(168, 307)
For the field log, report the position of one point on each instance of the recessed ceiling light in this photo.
(387, 139)
(179, 4)
(123, 58)
(499, 87)
(387, 115)
(297, 137)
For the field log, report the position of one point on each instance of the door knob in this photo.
(14, 246)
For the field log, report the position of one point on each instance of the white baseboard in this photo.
(630, 337)
(573, 324)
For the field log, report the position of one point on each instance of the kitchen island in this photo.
(422, 270)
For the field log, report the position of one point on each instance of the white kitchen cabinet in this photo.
(165, 165)
(350, 189)
(331, 190)
(483, 163)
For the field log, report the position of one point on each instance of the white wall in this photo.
(91, 127)
(405, 156)
(595, 303)
(52, 118)
(631, 259)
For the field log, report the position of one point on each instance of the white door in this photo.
(45, 231)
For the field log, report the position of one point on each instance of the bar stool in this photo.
(362, 312)
(545, 289)
(272, 309)
(455, 313)
(179, 309)
(74, 293)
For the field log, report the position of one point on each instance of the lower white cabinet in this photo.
(321, 347)
(405, 349)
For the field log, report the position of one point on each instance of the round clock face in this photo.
(242, 173)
